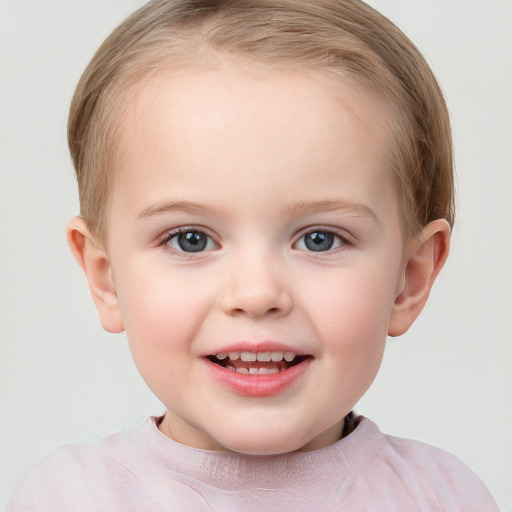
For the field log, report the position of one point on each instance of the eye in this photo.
(320, 241)
(190, 240)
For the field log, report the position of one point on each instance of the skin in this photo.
(255, 161)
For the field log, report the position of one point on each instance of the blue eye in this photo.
(190, 241)
(320, 241)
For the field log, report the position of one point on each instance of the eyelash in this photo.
(342, 239)
(170, 235)
(174, 234)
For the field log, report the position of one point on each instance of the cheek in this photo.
(162, 314)
(353, 302)
(351, 317)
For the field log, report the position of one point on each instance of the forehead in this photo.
(189, 88)
(226, 127)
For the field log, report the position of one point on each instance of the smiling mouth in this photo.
(257, 363)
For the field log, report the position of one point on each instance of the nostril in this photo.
(256, 299)
(253, 310)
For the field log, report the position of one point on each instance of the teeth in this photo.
(253, 371)
(275, 356)
(289, 356)
(248, 356)
(264, 356)
(268, 371)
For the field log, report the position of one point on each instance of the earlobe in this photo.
(95, 263)
(428, 253)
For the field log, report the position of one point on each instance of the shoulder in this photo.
(438, 474)
(64, 478)
(436, 464)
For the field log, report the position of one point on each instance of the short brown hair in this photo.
(346, 37)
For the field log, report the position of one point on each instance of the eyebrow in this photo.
(173, 207)
(290, 209)
(309, 207)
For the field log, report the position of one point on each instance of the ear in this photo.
(427, 256)
(96, 266)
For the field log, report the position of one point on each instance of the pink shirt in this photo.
(142, 470)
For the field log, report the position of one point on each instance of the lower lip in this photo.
(257, 385)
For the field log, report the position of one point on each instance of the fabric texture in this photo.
(141, 469)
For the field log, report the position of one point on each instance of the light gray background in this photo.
(447, 382)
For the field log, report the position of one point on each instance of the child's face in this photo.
(255, 213)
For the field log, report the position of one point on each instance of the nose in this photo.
(257, 287)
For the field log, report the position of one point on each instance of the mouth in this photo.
(267, 371)
(257, 363)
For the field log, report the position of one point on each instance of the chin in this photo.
(263, 445)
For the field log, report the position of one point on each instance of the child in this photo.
(266, 193)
